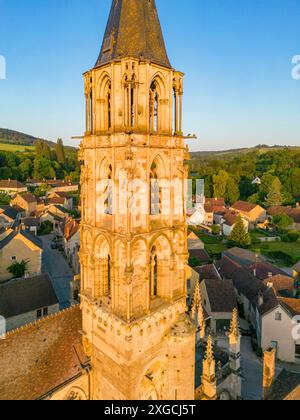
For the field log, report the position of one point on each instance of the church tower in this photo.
(133, 235)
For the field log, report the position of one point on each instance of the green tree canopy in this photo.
(239, 235)
(220, 184)
(274, 197)
(18, 269)
(60, 151)
(282, 221)
(232, 191)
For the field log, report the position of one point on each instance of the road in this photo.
(252, 369)
(60, 273)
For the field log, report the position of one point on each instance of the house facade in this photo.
(253, 213)
(12, 187)
(17, 246)
(23, 301)
(26, 201)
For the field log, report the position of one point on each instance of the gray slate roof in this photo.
(221, 295)
(21, 296)
(29, 236)
(286, 386)
(133, 30)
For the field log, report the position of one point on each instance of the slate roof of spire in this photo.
(133, 30)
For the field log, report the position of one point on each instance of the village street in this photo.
(60, 273)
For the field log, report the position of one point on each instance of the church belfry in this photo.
(133, 233)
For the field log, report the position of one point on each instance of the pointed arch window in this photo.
(89, 112)
(153, 275)
(155, 191)
(109, 275)
(108, 201)
(108, 105)
(154, 107)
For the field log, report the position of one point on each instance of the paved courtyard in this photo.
(61, 274)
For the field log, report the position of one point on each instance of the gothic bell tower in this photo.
(133, 234)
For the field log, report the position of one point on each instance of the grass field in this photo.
(213, 245)
(5, 147)
(291, 249)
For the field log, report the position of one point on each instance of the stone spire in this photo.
(235, 355)
(196, 300)
(234, 326)
(197, 311)
(209, 380)
(133, 31)
(209, 355)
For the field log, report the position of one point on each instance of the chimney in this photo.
(269, 372)
(270, 285)
(270, 275)
(254, 272)
(297, 205)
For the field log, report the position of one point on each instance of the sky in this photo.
(236, 56)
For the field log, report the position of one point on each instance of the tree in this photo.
(282, 221)
(5, 172)
(18, 269)
(266, 182)
(239, 235)
(215, 229)
(46, 151)
(294, 177)
(25, 169)
(5, 199)
(43, 169)
(39, 148)
(220, 184)
(274, 197)
(232, 191)
(60, 151)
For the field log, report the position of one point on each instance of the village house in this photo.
(265, 306)
(244, 257)
(253, 213)
(219, 301)
(26, 300)
(61, 199)
(55, 185)
(9, 216)
(31, 224)
(264, 270)
(203, 213)
(229, 220)
(12, 187)
(72, 243)
(198, 274)
(26, 201)
(49, 354)
(17, 246)
(216, 204)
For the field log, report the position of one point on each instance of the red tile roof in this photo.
(36, 359)
(244, 206)
(11, 184)
(264, 270)
(280, 283)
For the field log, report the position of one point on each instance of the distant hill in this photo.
(15, 137)
(228, 154)
(12, 137)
